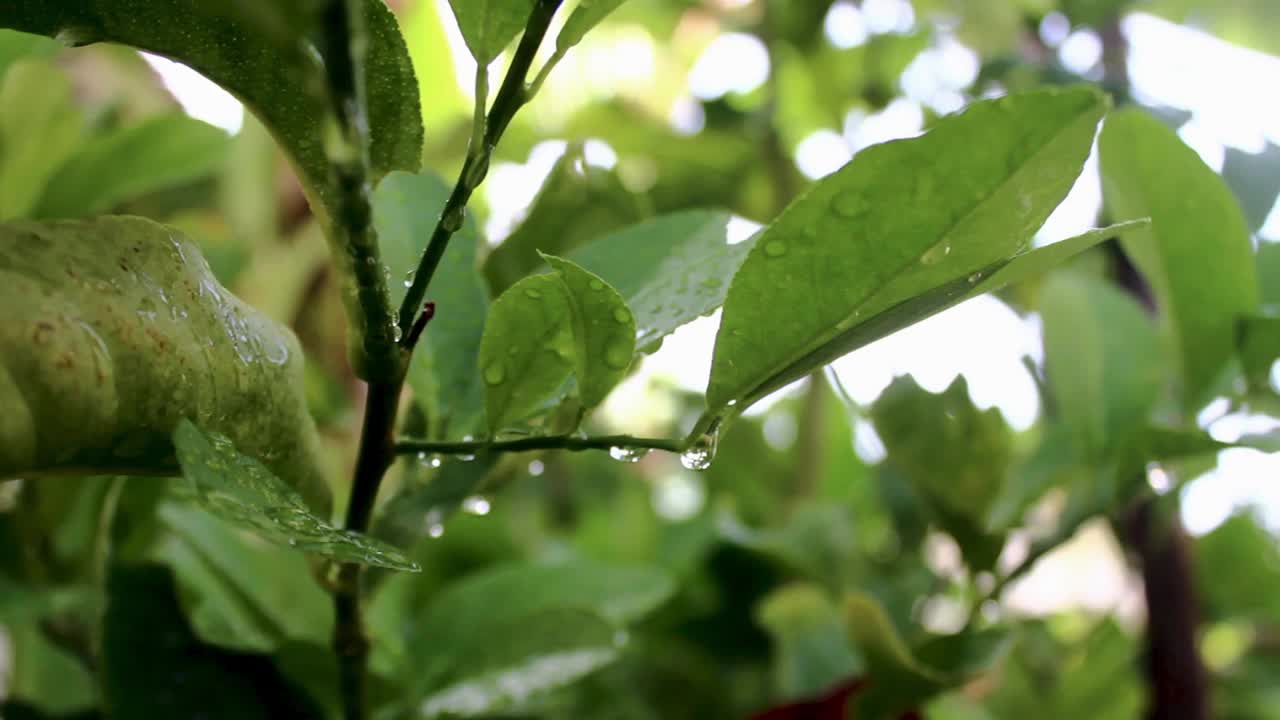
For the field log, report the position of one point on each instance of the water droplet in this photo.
(622, 315)
(396, 334)
(617, 356)
(476, 505)
(370, 260)
(532, 294)
(775, 248)
(850, 205)
(495, 373)
(452, 221)
(435, 530)
(936, 254)
(627, 454)
(293, 542)
(621, 638)
(702, 453)
(408, 278)
(596, 285)
(975, 278)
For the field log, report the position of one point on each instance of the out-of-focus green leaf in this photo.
(414, 512)
(116, 330)
(1259, 347)
(162, 152)
(604, 328)
(902, 678)
(528, 350)
(1245, 22)
(45, 676)
(442, 99)
(585, 16)
(154, 666)
(578, 202)
(817, 541)
(1268, 262)
(443, 370)
(1238, 569)
(541, 652)
(466, 615)
(900, 220)
(39, 129)
(283, 83)
(247, 185)
(15, 46)
(1196, 254)
(1255, 181)
(955, 457)
(671, 270)
(811, 645)
(488, 26)
(242, 491)
(244, 593)
(1104, 360)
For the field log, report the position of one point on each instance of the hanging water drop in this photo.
(627, 454)
(434, 523)
(436, 530)
(476, 505)
(408, 278)
(702, 453)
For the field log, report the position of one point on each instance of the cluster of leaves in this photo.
(540, 584)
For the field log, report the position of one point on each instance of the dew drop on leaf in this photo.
(849, 205)
(533, 294)
(617, 356)
(476, 505)
(622, 315)
(935, 254)
(775, 248)
(495, 373)
(596, 285)
(627, 454)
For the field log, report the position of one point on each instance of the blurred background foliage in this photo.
(722, 594)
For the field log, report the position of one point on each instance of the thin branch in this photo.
(571, 443)
(513, 94)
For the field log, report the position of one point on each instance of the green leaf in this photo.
(162, 152)
(811, 646)
(282, 83)
(154, 666)
(489, 26)
(245, 593)
(955, 457)
(115, 329)
(539, 653)
(442, 372)
(1268, 262)
(671, 270)
(528, 350)
(243, 492)
(465, 615)
(577, 203)
(1196, 254)
(1239, 565)
(901, 220)
(1259, 348)
(417, 510)
(15, 46)
(587, 15)
(604, 328)
(1104, 360)
(40, 128)
(902, 678)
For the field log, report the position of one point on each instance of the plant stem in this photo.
(545, 442)
(513, 94)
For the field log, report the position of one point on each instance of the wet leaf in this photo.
(1196, 255)
(528, 350)
(933, 215)
(115, 330)
(811, 645)
(241, 491)
(671, 270)
(603, 327)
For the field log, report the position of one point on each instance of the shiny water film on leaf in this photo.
(901, 219)
(115, 330)
(240, 490)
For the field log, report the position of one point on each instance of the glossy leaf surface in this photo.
(899, 221)
(603, 328)
(116, 330)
